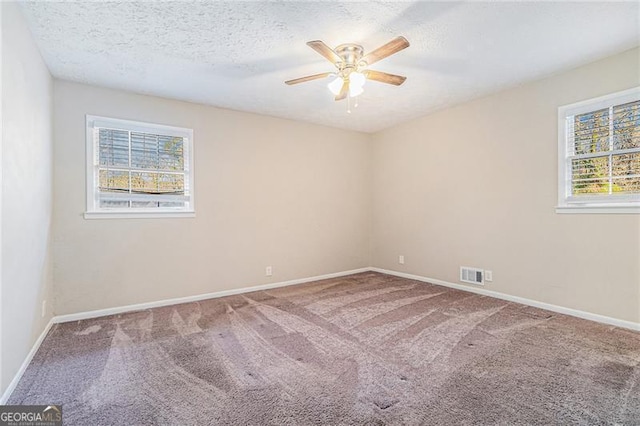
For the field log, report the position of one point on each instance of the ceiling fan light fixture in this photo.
(336, 85)
(352, 67)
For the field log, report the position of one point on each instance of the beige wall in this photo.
(473, 185)
(26, 192)
(268, 192)
(476, 185)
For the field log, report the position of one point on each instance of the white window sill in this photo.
(598, 209)
(138, 215)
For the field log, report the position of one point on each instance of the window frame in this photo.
(626, 204)
(93, 210)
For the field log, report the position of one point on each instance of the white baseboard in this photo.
(549, 307)
(198, 297)
(7, 393)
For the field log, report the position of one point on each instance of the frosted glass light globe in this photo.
(336, 85)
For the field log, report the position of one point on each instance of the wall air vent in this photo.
(471, 275)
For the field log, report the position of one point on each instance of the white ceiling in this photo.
(238, 54)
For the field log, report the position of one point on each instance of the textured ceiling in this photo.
(237, 54)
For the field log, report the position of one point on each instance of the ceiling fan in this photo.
(351, 64)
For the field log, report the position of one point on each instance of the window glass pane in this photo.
(626, 172)
(113, 147)
(626, 185)
(157, 183)
(626, 164)
(156, 204)
(156, 152)
(113, 204)
(171, 183)
(144, 151)
(590, 176)
(591, 132)
(144, 204)
(114, 181)
(172, 205)
(171, 153)
(626, 126)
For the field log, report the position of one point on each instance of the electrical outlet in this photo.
(268, 271)
(44, 308)
(401, 259)
(488, 276)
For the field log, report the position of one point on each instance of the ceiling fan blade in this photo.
(344, 91)
(320, 47)
(307, 78)
(384, 77)
(394, 46)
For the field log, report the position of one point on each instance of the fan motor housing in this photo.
(351, 54)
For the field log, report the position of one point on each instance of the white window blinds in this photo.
(603, 157)
(139, 168)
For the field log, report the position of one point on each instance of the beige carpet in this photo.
(360, 350)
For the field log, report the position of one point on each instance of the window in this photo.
(599, 155)
(138, 169)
